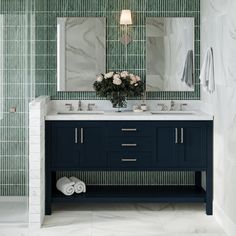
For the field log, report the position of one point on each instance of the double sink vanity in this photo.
(127, 141)
(161, 154)
(98, 140)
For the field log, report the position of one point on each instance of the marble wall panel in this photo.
(218, 29)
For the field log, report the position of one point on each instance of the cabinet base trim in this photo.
(135, 194)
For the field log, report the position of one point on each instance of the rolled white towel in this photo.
(79, 186)
(65, 185)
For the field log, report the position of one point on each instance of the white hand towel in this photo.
(187, 76)
(207, 75)
(65, 185)
(79, 186)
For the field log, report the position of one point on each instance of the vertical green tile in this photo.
(30, 56)
(46, 28)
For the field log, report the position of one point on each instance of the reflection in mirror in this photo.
(81, 53)
(169, 54)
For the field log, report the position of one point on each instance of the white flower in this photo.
(133, 79)
(138, 78)
(108, 75)
(99, 78)
(124, 74)
(117, 81)
(116, 76)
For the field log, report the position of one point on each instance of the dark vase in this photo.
(118, 100)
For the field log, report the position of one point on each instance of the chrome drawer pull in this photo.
(76, 136)
(128, 130)
(129, 159)
(81, 135)
(176, 135)
(129, 145)
(182, 135)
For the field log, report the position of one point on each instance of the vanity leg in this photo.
(209, 191)
(48, 208)
(209, 173)
(198, 178)
(48, 193)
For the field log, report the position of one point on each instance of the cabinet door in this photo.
(192, 146)
(181, 145)
(65, 152)
(166, 147)
(92, 142)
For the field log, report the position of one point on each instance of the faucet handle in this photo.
(183, 105)
(69, 106)
(163, 106)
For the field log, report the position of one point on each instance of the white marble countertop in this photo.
(129, 115)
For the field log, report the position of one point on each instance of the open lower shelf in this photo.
(135, 194)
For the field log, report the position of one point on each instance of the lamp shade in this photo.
(125, 17)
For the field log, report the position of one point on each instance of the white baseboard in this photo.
(224, 221)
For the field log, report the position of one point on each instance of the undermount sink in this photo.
(80, 112)
(173, 112)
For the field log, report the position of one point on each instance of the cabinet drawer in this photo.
(130, 159)
(129, 129)
(130, 143)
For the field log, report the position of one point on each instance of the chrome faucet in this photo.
(172, 105)
(79, 106)
(69, 106)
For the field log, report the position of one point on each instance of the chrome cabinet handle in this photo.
(182, 136)
(176, 135)
(129, 159)
(81, 135)
(129, 145)
(128, 130)
(76, 135)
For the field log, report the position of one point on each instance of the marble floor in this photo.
(123, 220)
(13, 210)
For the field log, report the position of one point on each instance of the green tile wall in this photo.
(15, 63)
(47, 12)
(28, 68)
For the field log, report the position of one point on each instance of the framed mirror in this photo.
(169, 54)
(81, 52)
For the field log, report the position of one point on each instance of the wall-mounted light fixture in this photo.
(126, 19)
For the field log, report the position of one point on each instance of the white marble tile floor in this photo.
(123, 220)
(13, 211)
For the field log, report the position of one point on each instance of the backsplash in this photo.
(28, 45)
(46, 13)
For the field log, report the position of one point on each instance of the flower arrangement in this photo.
(117, 86)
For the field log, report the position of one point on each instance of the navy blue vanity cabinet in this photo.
(65, 151)
(92, 145)
(192, 146)
(77, 145)
(181, 145)
(166, 147)
(131, 146)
